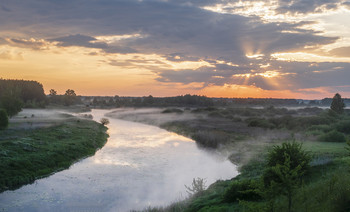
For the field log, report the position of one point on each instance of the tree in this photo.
(104, 121)
(286, 165)
(69, 97)
(4, 120)
(337, 104)
(53, 92)
(11, 102)
(197, 187)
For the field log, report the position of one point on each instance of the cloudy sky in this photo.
(252, 48)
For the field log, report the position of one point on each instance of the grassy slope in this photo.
(27, 155)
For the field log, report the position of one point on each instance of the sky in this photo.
(217, 48)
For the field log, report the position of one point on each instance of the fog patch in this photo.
(151, 116)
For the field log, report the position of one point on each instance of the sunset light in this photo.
(160, 47)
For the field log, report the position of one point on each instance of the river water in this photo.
(139, 166)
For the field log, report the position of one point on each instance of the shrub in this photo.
(104, 121)
(293, 150)
(242, 190)
(210, 139)
(260, 122)
(333, 136)
(343, 126)
(4, 120)
(197, 187)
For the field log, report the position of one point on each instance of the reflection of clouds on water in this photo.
(139, 166)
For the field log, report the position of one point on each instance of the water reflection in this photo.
(140, 165)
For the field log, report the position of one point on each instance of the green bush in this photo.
(210, 139)
(294, 150)
(4, 120)
(343, 126)
(333, 136)
(260, 122)
(242, 190)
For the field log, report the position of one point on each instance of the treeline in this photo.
(149, 101)
(69, 98)
(16, 94)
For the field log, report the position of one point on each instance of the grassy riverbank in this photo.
(29, 153)
(248, 134)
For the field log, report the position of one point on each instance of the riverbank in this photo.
(247, 135)
(39, 143)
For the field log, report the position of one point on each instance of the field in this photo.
(40, 142)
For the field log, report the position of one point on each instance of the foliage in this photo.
(24, 90)
(246, 189)
(11, 103)
(197, 186)
(210, 139)
(343, 126)
(337, 104)
(15, 94)
(31, 154)
(104, 121)
(286, 165)
(260, 122)
(69, 97)
(291, 150)
(4, 120)
(333, 136)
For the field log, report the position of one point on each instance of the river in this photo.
(139, 166)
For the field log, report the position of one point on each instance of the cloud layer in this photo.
(236, 48)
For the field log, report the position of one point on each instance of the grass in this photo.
(326, 187)
(27, 155)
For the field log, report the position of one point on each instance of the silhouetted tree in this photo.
(104, 121)
(69, 97)
(53, 92)
(337, 104)
(27, 93)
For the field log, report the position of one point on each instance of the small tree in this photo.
(337, 104)
(104, 121)
(286, 165)
(198, 186)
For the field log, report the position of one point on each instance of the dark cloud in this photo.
(91, 42)
(180, 30)
(293, 75)
(30, 43)
(167, 28)
(305, 6)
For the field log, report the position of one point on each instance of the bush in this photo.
(293, 150)
(260, 122)
(343, 126)
(333, 136)
(242, 190)
(4, 120)
(210, 139)
(104, 121)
